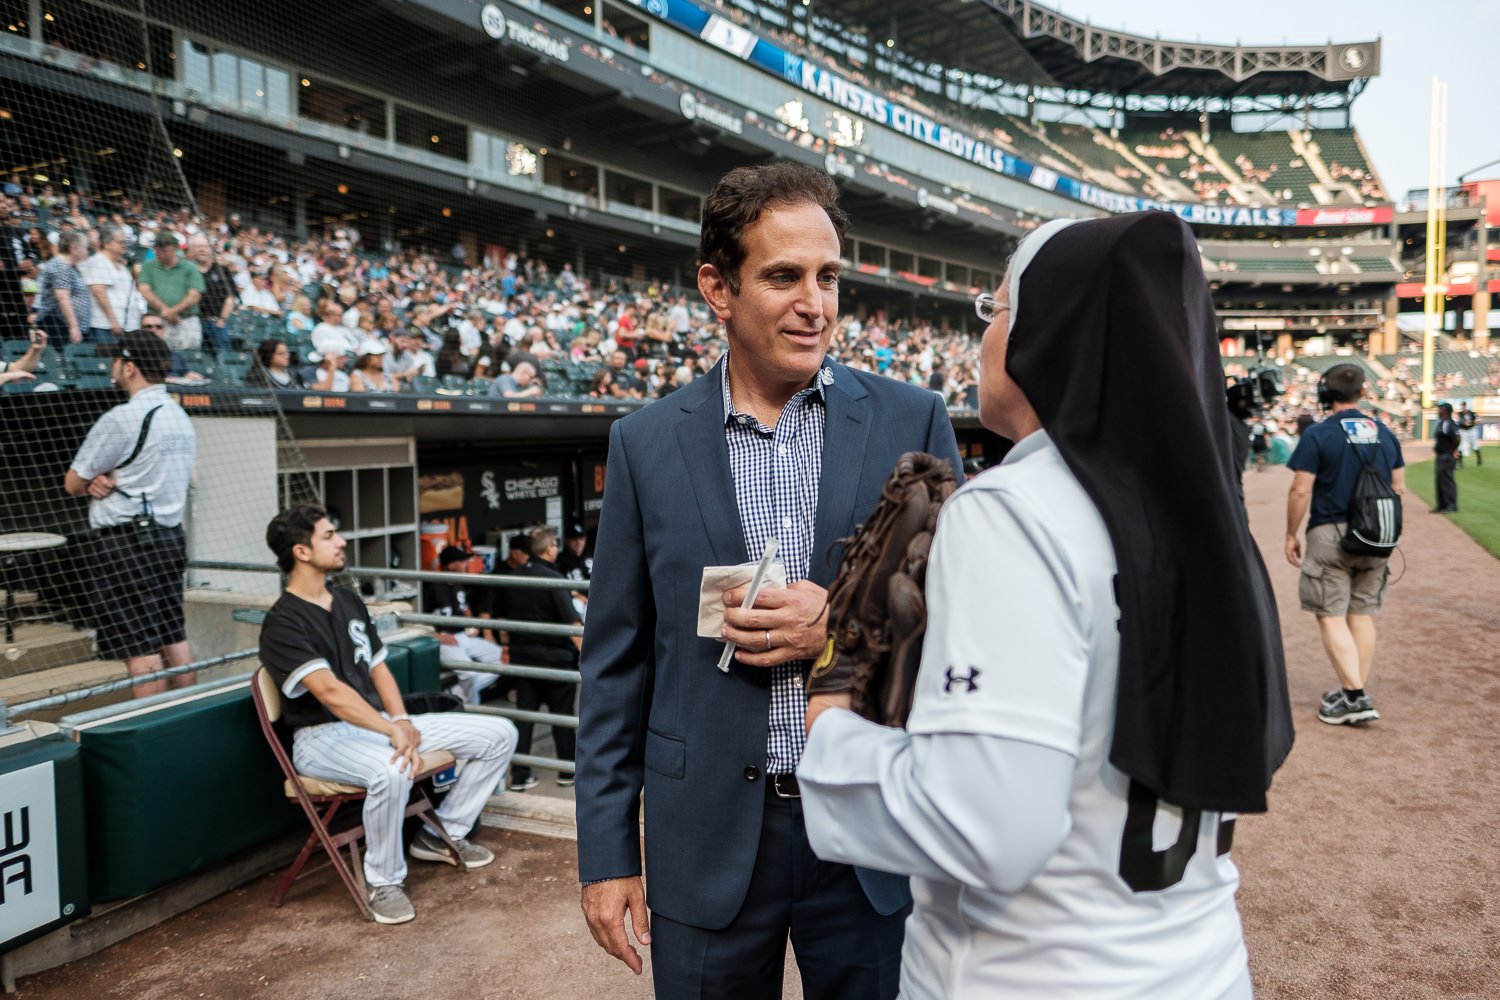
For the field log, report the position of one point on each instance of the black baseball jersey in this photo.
(299, 638)
(446, 599)
(1466, 419)
(575, 567)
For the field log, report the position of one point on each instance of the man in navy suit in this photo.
(775, 442)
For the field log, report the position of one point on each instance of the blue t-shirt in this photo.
(1326, 452)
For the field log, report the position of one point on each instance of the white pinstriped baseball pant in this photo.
(342, 751)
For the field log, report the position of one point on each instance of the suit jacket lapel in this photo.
(705, 456)
(846, 429)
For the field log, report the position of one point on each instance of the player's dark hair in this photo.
(292, 527)
(1345, 383)
(739, 198)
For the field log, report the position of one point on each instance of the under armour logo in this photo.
(967, 679)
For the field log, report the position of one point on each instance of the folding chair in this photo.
(313, 794)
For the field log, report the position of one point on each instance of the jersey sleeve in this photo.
(1393, 448)
(287, 650)
(1006, 652)
(1304, 456)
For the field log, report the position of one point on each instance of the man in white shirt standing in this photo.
(136, 466)
(117, 305)
(1050, 854)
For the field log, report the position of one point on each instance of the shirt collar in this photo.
(1028, 445)
(818, 390)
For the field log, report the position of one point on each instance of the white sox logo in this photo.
(361, 644)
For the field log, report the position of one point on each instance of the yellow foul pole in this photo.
(1435, 288)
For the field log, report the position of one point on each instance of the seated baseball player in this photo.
(347, 719)
(1101, 685)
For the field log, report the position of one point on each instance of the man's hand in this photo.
(604, 907)
(1294, 550)
(101, 486)
(796, 617)
(447, 639)
(404, 737)
(820, 703)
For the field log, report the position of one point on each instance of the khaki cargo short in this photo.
(1335, 583)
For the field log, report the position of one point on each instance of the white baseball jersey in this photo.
(1021, 653)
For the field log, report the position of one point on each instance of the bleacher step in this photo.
(24, 598)
(39, 645)
(58, 680)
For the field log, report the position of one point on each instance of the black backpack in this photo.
(1374, 523)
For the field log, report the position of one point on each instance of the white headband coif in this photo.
(1023, 255)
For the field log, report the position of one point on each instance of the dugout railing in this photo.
(10, 713)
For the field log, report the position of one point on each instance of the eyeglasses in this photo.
(987, 307)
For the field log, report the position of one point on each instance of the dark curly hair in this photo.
(292, 527)
(741, 195)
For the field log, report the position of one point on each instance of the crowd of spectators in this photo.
(330, 314)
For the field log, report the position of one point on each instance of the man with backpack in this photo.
(1349, 472)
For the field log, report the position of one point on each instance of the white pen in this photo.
(750, 595)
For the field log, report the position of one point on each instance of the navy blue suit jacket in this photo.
(654, 712)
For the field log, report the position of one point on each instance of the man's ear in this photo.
(302, 553)
(715, 290)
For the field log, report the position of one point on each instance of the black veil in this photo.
(1114, 343)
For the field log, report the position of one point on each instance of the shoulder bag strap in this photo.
(140, 441)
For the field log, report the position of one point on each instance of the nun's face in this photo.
(997, 393)
(781, 320)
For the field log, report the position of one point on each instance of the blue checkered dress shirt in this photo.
(776, 473)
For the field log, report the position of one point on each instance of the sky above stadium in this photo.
(1445, 38)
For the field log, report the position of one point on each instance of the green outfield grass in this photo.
(1478, 497)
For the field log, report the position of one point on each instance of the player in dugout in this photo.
(347, 719)
(1102, 684)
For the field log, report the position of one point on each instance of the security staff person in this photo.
(1445, 442)
(554, 607)
(135, 466)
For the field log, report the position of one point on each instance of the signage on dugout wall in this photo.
(43, 878)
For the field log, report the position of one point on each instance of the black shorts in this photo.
(138, 590)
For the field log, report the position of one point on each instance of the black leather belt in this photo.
(783, 786)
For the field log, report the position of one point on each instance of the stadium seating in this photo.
(1268, 159)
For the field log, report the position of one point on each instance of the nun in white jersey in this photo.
(1102, 684)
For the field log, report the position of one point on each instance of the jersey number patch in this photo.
(1146, 869)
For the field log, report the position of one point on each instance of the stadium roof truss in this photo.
(1030, 49)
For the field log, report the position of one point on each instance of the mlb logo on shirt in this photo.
(1360, 430)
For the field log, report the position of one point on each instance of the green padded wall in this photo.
(398, 662)
(425, 666)
(188, 786)
(175, 791)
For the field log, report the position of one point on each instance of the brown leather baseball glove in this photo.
(877, 610)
